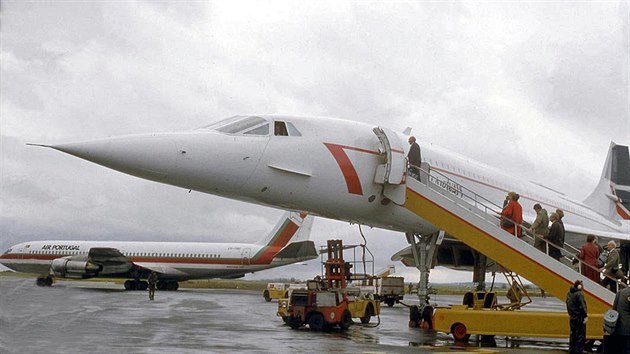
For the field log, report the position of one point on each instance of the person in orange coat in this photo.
(589, 252)
(512, 215)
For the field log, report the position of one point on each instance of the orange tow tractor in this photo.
(323, 305)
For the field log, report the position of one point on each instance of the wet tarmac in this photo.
(80, 317)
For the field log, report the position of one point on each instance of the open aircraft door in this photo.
(392, 173)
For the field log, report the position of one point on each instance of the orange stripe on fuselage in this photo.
(622, 212)
(347, 169)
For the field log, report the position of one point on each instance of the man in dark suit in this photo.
(414, 158)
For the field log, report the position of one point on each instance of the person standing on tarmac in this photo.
(576, 308)
(621, 333)
(152, 280)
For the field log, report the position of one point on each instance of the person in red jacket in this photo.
(512, 215)
(589, 252)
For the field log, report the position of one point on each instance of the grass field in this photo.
(260, 285)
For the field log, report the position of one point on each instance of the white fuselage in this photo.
(327, 170)
(173, 260)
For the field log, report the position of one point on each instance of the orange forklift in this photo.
(323, 305)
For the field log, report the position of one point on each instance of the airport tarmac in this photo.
(79, 317)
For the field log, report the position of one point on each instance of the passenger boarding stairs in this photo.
(466, 216)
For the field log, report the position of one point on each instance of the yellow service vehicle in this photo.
(280, 290)
(275, 291)
(481, 314)
(363, 306)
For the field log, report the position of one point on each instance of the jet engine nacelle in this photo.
(68, 268)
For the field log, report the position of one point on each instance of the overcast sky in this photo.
(538, 88)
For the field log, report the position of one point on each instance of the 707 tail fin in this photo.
(611, 197)
(291, 227)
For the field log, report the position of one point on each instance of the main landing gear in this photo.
(134, 284)
(44, 281)
(423, 248)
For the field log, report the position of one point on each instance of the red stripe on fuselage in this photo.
(622, 212)
(347, 169)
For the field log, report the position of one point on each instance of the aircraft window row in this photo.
(179, 255)
(65, 253)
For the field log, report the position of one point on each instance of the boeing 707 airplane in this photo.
(344, 170)
(172, 261)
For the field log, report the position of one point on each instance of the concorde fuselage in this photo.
(327, 168)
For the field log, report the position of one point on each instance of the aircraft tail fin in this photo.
(291, 227)
(611, 197)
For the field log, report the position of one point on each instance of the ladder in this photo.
(465, 215)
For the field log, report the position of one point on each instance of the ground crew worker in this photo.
(152, 280)
(576, 307)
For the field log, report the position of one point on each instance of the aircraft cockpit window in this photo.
(293, 130)
(260, 130)
(8, 251)
(285, 129)
(280, 129)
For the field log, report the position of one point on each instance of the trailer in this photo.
(461, 321)
(390, 290)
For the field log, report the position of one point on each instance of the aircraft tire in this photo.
(316, 322)
(459, 332)
(293, 322)
(143, 285)
(128, 284)
(41, 282)
(427, 315)
(369, 311)
(346, 320)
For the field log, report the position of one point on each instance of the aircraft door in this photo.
(392, 173)
(245, 260)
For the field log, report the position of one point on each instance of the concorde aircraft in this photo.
(344, 170)
(172, 261)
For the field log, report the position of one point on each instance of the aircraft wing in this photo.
(302, 250)
(161, 269)
(105, 255)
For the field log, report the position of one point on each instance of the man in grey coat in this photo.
(611, 268)
(540, 227)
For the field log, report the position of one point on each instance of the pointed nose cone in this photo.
(146, 156)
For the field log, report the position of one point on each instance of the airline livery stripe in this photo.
(281, 239)
(347, 169)
(622, 212)
(435, 213)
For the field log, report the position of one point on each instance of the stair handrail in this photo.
(456, 188)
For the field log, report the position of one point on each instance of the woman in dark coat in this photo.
(589, 252)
